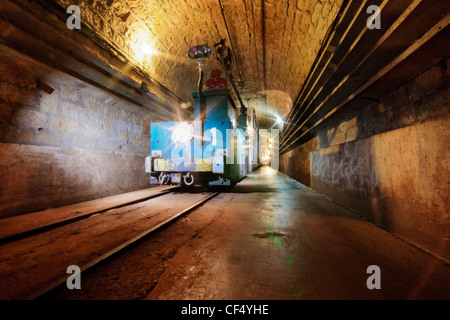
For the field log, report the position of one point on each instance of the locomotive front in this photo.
(219, 147)
(219, 150)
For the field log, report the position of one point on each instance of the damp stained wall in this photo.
(389, 162)
(62, 140)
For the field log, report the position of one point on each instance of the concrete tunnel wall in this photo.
(389, 162)
(74, 144)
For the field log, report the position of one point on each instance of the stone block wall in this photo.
(389, 162)
(62, 140)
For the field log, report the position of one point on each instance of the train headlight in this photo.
(199, 53)
(182, 132)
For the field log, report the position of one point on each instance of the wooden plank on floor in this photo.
(27, 223)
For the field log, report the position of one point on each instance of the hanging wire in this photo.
(229, 37)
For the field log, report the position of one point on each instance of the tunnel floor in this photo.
(274, 238)
(267, 238)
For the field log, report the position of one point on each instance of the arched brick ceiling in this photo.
(275, 42)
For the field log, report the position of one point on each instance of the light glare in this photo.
(147, 49)
(279, 120)
(183, 132)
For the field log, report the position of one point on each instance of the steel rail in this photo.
(45, 227)
(55, 284)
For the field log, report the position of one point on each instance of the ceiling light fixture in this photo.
(279, 120)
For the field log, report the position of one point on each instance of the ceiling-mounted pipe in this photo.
(229, 37)
(233, 55)
(237, 92)
(224, 56)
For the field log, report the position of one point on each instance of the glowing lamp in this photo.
(147, 49)
(279, 120)
(182, 132)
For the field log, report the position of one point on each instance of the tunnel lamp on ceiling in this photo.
(279, 120)
(147, 49)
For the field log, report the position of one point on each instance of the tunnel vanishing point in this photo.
(358, 90)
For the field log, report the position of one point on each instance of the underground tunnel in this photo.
(224, 150)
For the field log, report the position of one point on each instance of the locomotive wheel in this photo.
(188, 179)
(163, 179)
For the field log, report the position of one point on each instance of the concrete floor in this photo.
(273, 238)
(269, 237)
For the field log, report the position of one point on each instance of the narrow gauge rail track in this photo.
(66, 220)
(121, 247)
(51, 285)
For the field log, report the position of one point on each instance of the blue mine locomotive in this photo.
(219, 147)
